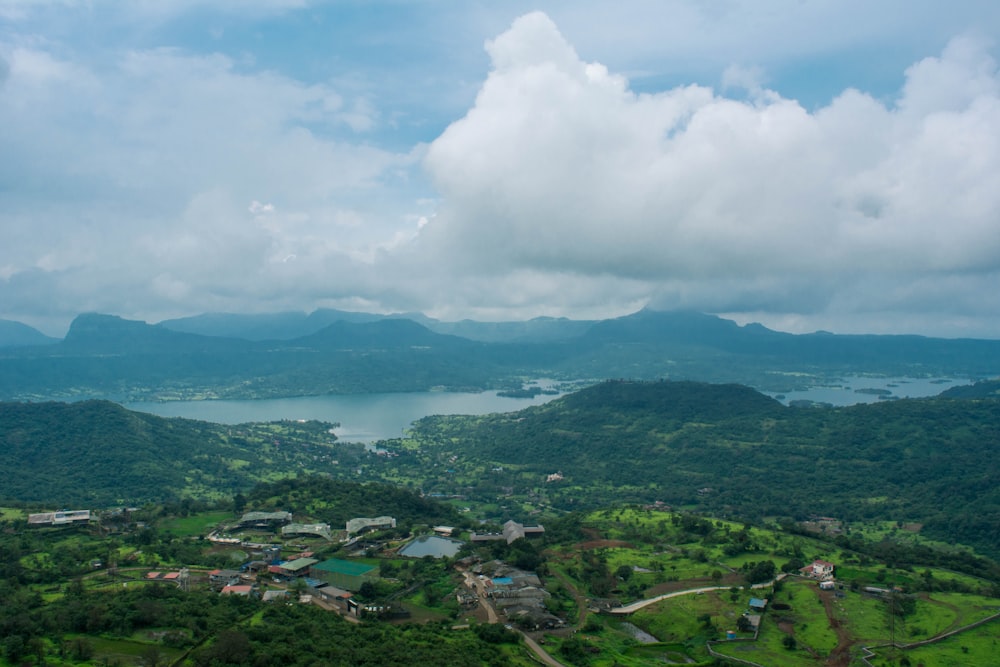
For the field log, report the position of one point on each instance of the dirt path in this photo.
(840, 656)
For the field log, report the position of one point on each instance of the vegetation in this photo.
(730, 451)
(673, 495)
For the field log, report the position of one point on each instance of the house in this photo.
(444, 531)
(219, 579)
(293, 568)
(827, 585)
(819, 569)
(243, 590)
(758, 604)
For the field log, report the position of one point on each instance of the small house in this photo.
(819, 569)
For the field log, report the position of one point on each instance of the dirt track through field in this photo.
(840, 656)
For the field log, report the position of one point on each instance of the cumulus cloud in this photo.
(559, 168)
(154, 181)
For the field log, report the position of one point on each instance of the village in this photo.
(356, 571)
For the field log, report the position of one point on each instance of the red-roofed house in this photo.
(245, 590)
(820, 569)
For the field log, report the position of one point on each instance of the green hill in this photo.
(730, 450)
(98, 454)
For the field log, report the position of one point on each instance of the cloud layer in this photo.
(720, 203)
(154, 181)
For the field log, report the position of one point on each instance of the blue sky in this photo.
(810, 165)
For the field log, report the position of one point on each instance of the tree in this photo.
(151, 656)
(368, 591)
(239, 503)
(758, 573)
(789, 642)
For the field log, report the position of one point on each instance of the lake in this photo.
(854, 389)
(362, 417)
(369, 418)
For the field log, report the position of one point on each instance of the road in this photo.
(636, 606)
(477, 587)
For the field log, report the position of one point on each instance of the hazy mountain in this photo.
(94, 333)
(103, 355)
(291, 325)
(267, 326)
(16, 334)
(537, 330)
(690, 345)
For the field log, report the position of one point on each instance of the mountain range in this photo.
(328, 351)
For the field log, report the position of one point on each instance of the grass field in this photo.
(979, 646)
(196, 524)
(12, 514)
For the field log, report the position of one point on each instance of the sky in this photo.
(807, 164)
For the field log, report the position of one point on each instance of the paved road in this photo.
(540, 652)
(636, 606)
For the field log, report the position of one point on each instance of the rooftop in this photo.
(352, 568)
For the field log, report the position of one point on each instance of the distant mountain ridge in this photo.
(104, 355)
(292, 325)
(16, 334)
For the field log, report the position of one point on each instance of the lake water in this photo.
(369, 418)
(854, 389)
(362, 417)
(431, 545)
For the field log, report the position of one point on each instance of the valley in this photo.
(663, 509)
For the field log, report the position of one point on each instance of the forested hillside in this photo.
(728, 449)
(336, 501)
(98, 454)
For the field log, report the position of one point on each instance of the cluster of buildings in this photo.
(512, 530)
(516, 594)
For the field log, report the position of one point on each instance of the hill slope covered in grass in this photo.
(731, 450)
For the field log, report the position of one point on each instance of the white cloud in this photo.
(560, 169)
(144, 177)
